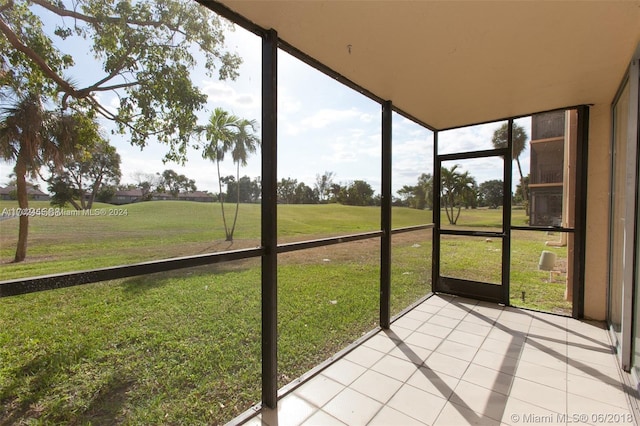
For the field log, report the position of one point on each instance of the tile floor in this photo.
(454, 361)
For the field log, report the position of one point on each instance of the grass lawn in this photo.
(165, 229)
(184, 347)
(531, 287)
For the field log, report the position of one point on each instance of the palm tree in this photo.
(31, 137)
(519, 144)
(456, 188)
(244, 142)
(228, 133)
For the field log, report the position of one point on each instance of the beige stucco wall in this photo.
(597, 235)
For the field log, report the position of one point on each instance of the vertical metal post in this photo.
(580, 219)
(385, 220)
(269, 219)
(506, 216)
(435, 234)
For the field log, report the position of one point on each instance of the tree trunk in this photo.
(457, 216)
(235, 217)
(83, 202)
(221, 196)
(23, 204)
(78, 181)
(94, 192)
(75, 204)
(448, 203)
(524, 190)
(525, 196)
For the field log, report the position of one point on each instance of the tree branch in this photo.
(6, 6)
(94, 88)
(110, 116)
(110, 19)
(102, 110)
(113, 73)
(40, 63)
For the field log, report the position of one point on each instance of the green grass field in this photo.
(165, 229)
(184, 347)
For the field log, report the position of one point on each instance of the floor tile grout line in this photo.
(460, 379)
(500, 326)
(531, 334)
(447, 399)
(384, 404)
(481, 415)
(518, 359)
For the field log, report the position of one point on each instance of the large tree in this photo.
(30, 137)
(248, 189)
(518, 143)
(145, 51)
(418, 196)
(304, 194)
(174, 183)
(146, 182)
(323, 185)
(84, 174)
(356, 193)
(490, 193)
(287, 190)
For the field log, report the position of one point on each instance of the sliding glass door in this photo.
(623, 244)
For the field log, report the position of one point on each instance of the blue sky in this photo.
(322, 126)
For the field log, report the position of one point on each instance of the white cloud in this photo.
(367, 118)
(465, 139)
(413, 147)
(355, 146)
(327, 116)
(246, 100)
(222, 93)
(288, 104)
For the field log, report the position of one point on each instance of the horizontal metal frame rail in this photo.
(472, 233)
(55, 281)
(489, 292)
(544, 228)
(51, 282)
(411, 228)
(470, 155)
(302, 245)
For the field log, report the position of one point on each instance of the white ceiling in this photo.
(452, 63)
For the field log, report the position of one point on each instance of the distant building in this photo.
(199, 196)
(136, 195)
(162, 196)
(127, 197)
(9, 193)
(553, 153)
